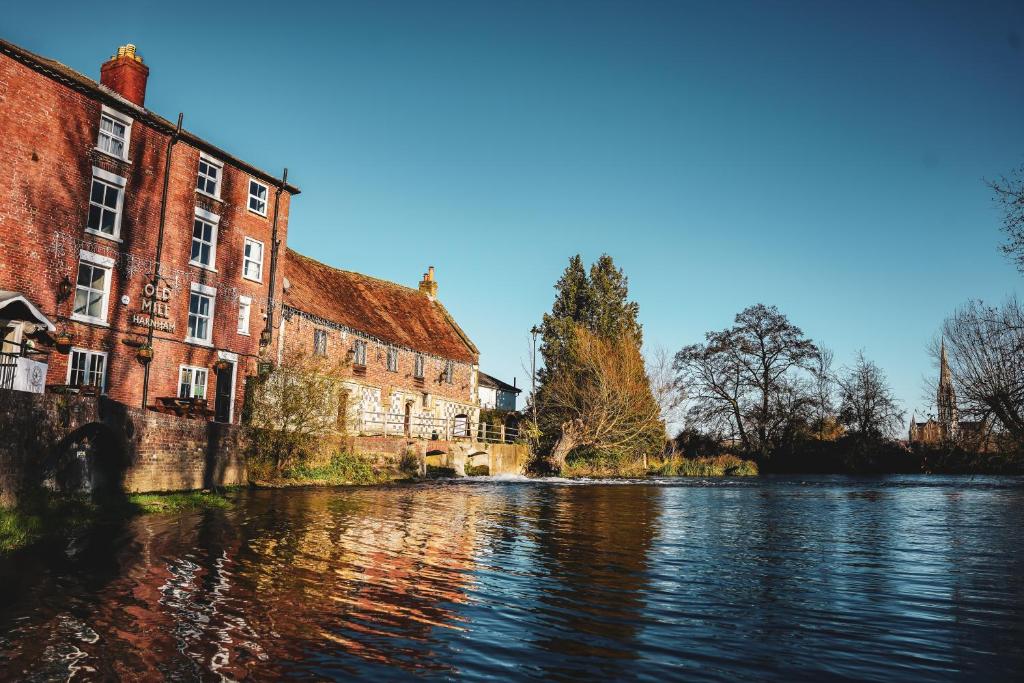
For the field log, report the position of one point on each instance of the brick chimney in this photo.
(125, 74)
(428, 285)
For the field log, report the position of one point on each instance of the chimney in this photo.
(125, 74)
(428, 285)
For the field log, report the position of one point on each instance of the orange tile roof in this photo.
(391, 312)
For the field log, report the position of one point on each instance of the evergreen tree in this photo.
(610, 311)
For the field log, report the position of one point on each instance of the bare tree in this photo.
(749, 374)
(823, 389)
(296, 411)
(1009, 195)
(985, 345)
(665, 388)
(603, 390)
(867, 406)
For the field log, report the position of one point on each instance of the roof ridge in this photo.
(355, 272)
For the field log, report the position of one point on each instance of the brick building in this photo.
(89, 214)
(411, 369)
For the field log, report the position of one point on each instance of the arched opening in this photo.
(460, 426)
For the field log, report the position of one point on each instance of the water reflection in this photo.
(775, 579)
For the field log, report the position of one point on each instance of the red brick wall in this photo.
(48, 147)
(298, 337)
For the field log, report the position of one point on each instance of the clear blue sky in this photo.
(825, 157)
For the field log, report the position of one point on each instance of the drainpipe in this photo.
(268, 330)
(159, 251)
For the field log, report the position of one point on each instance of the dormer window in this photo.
(209, 176)
(115, 131)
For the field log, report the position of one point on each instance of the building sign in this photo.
(155, 311)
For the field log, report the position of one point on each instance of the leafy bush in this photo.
(343, 468)
(717, 466)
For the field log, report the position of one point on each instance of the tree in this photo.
(867, 406)
(664, 387)
(1009, 195)
(603, 394)
(985, 346)
(825, 425)
(297, 410)
(598, 303)
(749, 374)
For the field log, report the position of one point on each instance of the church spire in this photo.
(945, 398)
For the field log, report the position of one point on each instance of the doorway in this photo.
(225, 393)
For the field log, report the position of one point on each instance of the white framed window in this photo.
(200, 314)
(252, 261)
(417, 371)
(208, 179)
(257, 197)
(244, 309)
(192, 381)
(359, 352)
(392, 359)
(106, 199)
(204, 240)
(87, 368)
(320, 342)
(92, 288)
(448, 371)
(114, 134)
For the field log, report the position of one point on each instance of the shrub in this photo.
(717, 466)
(342, 468)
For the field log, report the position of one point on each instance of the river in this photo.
(772, 578)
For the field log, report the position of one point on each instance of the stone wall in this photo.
(43, 436)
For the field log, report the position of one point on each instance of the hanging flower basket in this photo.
(144, 354)
(221, 364)
(63, 341)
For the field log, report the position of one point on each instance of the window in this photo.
(244, 308)
(208, 178)
(105, 200)
(115, 131)
(257, 197)
(87, 368)
(392, 359)
(448, 372)
(252, 263)
(418, 368)
(92, 288)
(200, 313)
(320, 342)
(359, 357)
(192, 382)
(204, 240)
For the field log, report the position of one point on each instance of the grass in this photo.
(715, 466)
(179, 502)
(342, 468)
(18, 529)
(591, 464)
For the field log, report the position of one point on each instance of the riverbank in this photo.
(49, 516)
(714, 466)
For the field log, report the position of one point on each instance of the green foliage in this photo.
(716, 466)
(342, 468)
(180, 501)
(18, 529)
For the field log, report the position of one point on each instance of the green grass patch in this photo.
(342, 468)
(18, 529)
(183, 501)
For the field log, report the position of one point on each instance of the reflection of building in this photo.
(81, 241)
(947, 427)
(497, 395)
(412, 370)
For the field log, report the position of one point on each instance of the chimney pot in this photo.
(429, 285)
(125, 74)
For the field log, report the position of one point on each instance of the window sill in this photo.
(200, 265)
(209, 196)
(112, 156)
(89, 320)
(97, 233)
(199, 342)
(244, 334)
(254, 211)
(252, 279)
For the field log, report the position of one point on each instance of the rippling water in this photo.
(818, 578)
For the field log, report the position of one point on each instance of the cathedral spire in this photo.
(945, 398)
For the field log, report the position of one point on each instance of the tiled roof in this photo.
(495, 383)
(391, 312)
(77, 81)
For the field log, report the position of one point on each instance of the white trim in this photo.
(266, 198)
(263, 254)
(203, 156)
(213, 221)
(106, 368)
(208, 216)
(107, 265)
(109, 177)
(204, 289)
(35, 311)
(192, 383)
(96, 259)
(227, 355)
(125, 120)
(246, 302)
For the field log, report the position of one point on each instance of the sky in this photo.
(828, 158)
